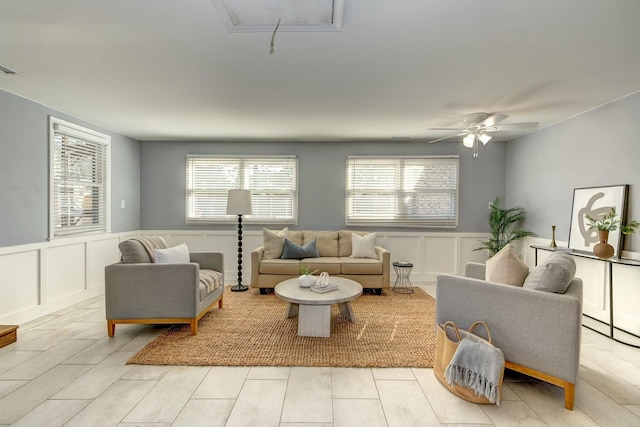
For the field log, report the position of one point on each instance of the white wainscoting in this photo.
(596, 286)
(40, 278)
(430, 253)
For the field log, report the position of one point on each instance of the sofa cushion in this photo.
(344, 243)
(273, 242)
(140, 249)
(210, 280)
(554, 274)
(175, 255)
(296, 236)
(352, 265)
(329, 264)
(326, 241)
(505, 267)
(132, 251)
(280, 266)
(293, 251)
(363, 246)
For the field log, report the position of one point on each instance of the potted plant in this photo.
(504, 227)
(306, 279)
(608, 222)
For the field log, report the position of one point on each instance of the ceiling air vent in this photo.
(294, 15)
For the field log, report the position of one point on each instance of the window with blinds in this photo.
(402, 191)
(273, 182)
(79, 187)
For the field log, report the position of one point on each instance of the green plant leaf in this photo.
(503, 224)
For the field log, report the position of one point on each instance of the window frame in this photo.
(243, 185)
(62, 127)
(397, 220)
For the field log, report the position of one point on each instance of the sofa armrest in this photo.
(209, 260)
(256, 257)
(167, 290)
(385, 256)
(539, 330)
(475, 270)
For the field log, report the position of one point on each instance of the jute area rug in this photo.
(391, 330)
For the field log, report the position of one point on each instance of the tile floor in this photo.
(65, 371)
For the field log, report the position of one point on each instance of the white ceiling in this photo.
(170, 70)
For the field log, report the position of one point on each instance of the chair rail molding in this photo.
(40, 278)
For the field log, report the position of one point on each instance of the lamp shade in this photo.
(239, 202)
(468, 140)
(484, 138)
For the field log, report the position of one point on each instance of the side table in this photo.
(402, 285)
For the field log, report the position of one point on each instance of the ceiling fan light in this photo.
(468, 140)
(484, 138)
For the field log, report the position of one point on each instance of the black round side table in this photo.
(402, 284)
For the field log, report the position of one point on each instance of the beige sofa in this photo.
(334, 248)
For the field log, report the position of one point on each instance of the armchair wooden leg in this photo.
(194, 326)
(569, 395)
(569, 388)
(111, 328)
(220, 303)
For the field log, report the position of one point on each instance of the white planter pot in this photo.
(306, 281)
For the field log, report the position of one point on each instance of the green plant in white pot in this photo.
(306, 279)
(503, 223)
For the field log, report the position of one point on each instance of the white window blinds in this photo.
(402, 191)
(79, 163)
(272, 181)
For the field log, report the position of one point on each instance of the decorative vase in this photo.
(553, 237)
(306, 280)
(603, 249)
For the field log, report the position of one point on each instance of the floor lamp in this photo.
(239, 203)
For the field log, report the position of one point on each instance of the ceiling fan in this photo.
(477, 127)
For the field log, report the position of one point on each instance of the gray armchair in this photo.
(538, 332)
(142, 292)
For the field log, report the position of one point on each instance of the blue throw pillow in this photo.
(294, 251)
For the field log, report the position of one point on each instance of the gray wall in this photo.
(321, 178)
(598, 148)
(24, 180)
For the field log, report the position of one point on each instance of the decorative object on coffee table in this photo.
(8, 334)
(239, 203)
(306, 279)
(402, 285)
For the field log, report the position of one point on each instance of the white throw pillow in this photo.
(273, 242)
(505, 267)
(175, 255)
(363, 246)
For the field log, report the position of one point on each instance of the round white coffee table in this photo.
(314, 309)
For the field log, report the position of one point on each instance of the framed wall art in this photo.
(596, 202)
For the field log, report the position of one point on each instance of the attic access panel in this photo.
(295, 15)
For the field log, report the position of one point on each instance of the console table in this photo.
(609, 263)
